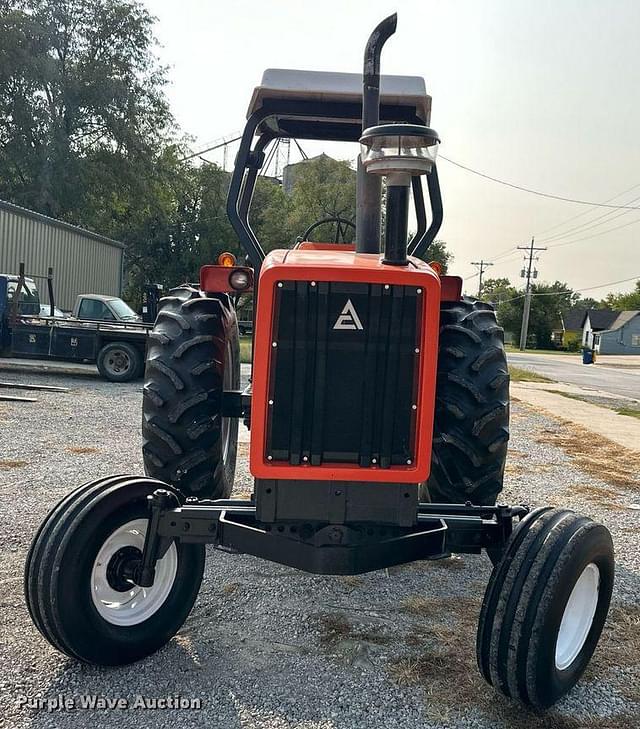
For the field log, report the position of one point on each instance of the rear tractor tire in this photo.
(471, 425)
(545, 606)
(79, 583)
(193, 355)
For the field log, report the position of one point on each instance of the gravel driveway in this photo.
(267, 646)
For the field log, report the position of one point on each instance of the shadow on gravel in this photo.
(182, 674)
(440, 659)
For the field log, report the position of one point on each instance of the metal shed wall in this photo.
(83, 262)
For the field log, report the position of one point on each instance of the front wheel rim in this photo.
(134, 605)
(577, 618)
(118, 362)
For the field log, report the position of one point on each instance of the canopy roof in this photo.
(330, 104)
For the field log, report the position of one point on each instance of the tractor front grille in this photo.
(343, 376)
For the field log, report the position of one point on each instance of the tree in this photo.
(548, 302)
(496, 290)
(589, 303)
(630, 301)
(83, 117)
(438, 252)
(322, 188)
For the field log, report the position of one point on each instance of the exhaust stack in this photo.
(369, 187)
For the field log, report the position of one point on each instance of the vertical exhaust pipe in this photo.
(369, 187)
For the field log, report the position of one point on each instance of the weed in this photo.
(518, 374)
(13, 464)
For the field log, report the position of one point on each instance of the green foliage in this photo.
(589, 303)
(86, 136)
(547, 302)
(438, 252)
(82, 109)
(322, 188)
(269, 212)
(574, 344)
(630, 301)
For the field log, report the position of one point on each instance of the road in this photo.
(614, 380)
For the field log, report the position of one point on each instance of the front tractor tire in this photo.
(471, 425)
(80, 575)
(193, 356)
(545, 606)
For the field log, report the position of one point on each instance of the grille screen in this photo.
(343, 375)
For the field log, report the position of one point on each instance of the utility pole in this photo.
(483, 265)
(526, 273)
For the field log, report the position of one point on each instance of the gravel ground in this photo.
(267, 646)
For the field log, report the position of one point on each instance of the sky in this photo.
(539, 93)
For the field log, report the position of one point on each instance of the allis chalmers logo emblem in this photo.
(348, 318)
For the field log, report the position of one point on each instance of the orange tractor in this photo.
(378, 413)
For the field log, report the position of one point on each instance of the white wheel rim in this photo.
(134, 606)
(577, 618)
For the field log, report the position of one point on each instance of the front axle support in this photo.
(320, 547)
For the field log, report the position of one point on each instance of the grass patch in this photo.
(562, 352)
(519, 375)
(628, 411)
(335, 628)
(13, 464)
(632, 412)
(441, 659)
(619, 648)
(245, 349)
(83, 449)
(603, 458)
(570, 395)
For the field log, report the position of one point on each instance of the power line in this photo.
(222, 143)
(573, 291)
(537, 192)
(586, 212)
(595, 235)
(604, 218)
(507, 252)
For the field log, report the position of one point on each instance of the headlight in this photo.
(240, 280)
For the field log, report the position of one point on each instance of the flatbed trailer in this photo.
(117, 348)
(103, 343)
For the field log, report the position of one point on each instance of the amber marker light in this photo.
(226, 259)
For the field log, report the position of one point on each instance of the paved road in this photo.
(564, 368)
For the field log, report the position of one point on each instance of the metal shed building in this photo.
(82, 261)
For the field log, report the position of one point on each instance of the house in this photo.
(597, 320)
(568, 332)
(622, 336)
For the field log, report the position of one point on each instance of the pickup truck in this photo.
(97, 307)
(106, 331)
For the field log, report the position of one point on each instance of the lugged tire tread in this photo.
(471, 424)
(182, 439)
